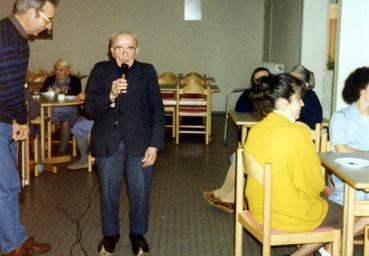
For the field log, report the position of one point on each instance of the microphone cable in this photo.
(76, 221)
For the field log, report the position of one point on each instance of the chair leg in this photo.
(74, 146)
(173, 124)
(207, 134)
(90, 161)
(177, 129)
(36, 155)
(26, 149)
(266, 249)
(238, 239)
(366, 240)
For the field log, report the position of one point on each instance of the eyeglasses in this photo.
(128, 50)
(48, 20)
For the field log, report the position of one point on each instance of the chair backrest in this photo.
(194, 74)
(193, 78)
(37, 76)
(168, 78)
(263, 175)
(193, 86)
(315, 134)
(325, 145)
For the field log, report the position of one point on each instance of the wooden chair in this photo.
(169, 98)
(193, 100)
(247, 165)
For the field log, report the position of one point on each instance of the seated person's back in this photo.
(297, 180)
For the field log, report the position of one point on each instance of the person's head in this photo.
(124, 48)
(356, 86)
(35, 15)
(305, 75)
(61, 69)
(281, 92)
(257, 74)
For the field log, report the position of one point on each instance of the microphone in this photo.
(124, 69)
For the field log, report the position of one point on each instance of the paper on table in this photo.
(352, 162)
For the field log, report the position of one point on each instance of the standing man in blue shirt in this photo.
(29, 18)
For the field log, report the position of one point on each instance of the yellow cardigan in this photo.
(297, 180)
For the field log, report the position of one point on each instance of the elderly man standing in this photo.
(30, 17)
(123, 97)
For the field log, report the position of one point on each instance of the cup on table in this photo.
(61, 97)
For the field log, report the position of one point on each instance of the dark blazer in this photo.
(75, 85)
(311, 112)
(137, 117)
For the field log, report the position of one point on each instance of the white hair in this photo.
(63, 63)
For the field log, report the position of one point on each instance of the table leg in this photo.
(42, 127)
(243, 135)
(348, 221)
(49, 132)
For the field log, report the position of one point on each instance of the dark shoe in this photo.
(217, 203)
(20, 251)
(32, 246)
(138, 242)
(107, 246)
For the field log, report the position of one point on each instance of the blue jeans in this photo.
(111, 171)
(12, 232)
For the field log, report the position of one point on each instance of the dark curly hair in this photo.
(253, 79)
(358, 80)
(265, 94)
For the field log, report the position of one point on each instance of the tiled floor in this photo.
(181, 222)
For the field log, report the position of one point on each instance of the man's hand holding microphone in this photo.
(120, 85)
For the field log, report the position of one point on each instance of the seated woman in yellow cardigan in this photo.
(297, 179)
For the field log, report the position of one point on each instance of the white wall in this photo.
(315, 22)
(226, 44)
(299, 35)
(352, 43)
(286, 29)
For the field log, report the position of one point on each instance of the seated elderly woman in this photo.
(297, 181)
(349, 127)
(312, 112)
(63, 82)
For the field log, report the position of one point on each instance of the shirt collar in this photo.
(291, 118)
(18, 26)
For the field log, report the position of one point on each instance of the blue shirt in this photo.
(348, 127)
